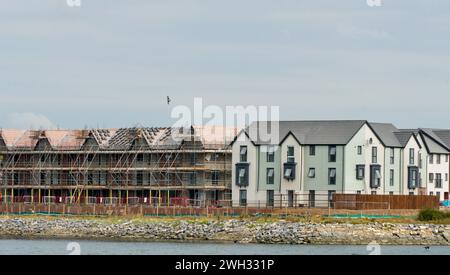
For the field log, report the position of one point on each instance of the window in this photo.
(391, 177)
(374, 154)
(312, 173)
(140, 158)
(431, 159)
(438, 194)
(289, 171)
(373, 192)
(359, 150)
(358, 192)
(243, 197)
(290, 154)
(139, 177)
(431, 193)
(392, 157)
(242, 174)
(215, 176)
(312, 150)
(332, 153)
(332, 176)
(360, 171)
(420, 161)
(446, 176)
(411, 193)
(431, 178)
(411, 156)
(446, 158)
(270, 198)
(438, 159)
(413, 173)
(391, 193)
(375, 176)
(243, 154)
(438, 182)
(270, 154)
(270, 175)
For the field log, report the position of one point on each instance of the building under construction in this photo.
(157, 166)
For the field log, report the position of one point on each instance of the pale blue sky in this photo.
(111, 63)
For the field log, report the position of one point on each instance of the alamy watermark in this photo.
(73, 3)
(373, 248)
(235, 117)
(374, 3)
(74, 248)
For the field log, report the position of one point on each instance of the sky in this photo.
(112, 63)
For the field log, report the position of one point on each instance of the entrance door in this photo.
(312, 198)
(290, 198)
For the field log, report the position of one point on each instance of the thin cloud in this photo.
(29, 120)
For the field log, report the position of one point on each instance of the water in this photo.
(65, 247)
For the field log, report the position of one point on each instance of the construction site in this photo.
(128, 166)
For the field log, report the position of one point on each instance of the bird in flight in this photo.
(168, 100)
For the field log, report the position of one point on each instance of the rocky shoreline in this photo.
(239, 231)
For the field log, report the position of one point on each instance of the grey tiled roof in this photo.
(444, 135)
(403, 137)
(322, 132)
(386, 132)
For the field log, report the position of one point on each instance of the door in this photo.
(312, 198)
(290, 198)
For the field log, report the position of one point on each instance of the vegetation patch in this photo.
(432, 215)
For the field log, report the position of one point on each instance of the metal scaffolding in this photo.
(130, 165)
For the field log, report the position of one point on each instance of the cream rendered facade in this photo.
(252, 193)
(410, 160)
(294, 185)
(366, 141)
(435, 161)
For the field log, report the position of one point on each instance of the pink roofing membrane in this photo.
(27, 141)
(11, 136)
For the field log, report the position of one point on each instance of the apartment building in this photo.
(312, 160)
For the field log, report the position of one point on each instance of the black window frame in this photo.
(243, 157)
(246, 167)
(332, 180)
(310, 170)
(243, 199)
(312, 150)
(272, 178)
(412, 156)
(374, 181)
(290, 158)
(374, 154)
(332, 157)
(360, 167)
(270, 155)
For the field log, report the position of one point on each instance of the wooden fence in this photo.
(362, 202)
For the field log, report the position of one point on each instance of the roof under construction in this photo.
(208, 137)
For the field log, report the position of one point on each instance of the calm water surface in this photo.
(65, 247)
